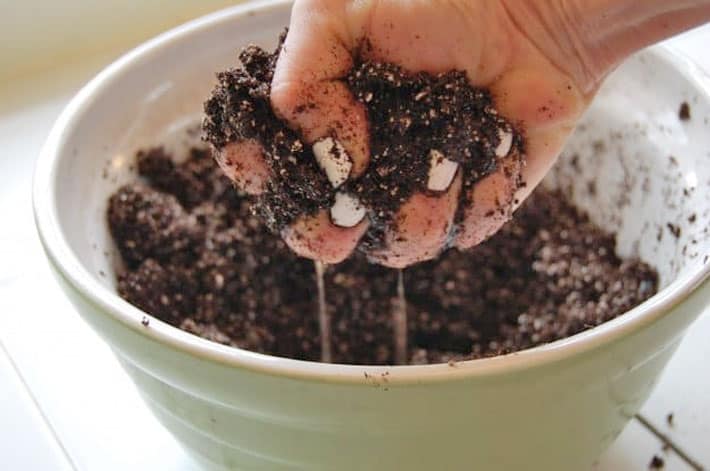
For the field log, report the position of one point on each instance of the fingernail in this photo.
(441, 171)
(347, 210)
(505, 142)
(333, 160)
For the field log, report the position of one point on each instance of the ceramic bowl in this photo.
(556, 406)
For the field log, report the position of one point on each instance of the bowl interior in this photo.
(639, 169)
(632, 164)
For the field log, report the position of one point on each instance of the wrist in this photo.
(588, 38)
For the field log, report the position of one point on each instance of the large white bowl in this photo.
(553, 407)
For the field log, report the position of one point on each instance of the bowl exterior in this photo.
(554, 416)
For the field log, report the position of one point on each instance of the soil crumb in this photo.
(684, 111)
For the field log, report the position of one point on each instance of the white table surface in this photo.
(66, 404)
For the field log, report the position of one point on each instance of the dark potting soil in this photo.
(197, 257)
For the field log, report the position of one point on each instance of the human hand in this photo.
(542, 61)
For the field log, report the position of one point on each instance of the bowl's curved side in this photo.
(561, 415)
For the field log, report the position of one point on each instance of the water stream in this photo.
(399, 318)
(326, 355)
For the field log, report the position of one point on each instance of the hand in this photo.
(542, 60)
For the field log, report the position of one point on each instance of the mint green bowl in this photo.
(555, 407)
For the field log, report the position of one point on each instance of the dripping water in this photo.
(326, 355)
(399, 320)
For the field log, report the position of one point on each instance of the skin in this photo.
(543, 60)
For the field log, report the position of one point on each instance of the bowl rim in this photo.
(67, 265)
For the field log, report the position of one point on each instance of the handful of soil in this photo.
(423, 130)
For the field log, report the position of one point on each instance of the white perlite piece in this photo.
(347, 210)
(506, 142)
(441, 171)
(333, 160)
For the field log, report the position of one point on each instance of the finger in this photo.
(546, 106)
(421, 228)
(543, 148)
(243, 162)
(493, 199)
(306, 91)
(317, 238)
(489, 204)
(325, 109)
